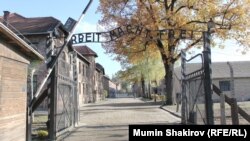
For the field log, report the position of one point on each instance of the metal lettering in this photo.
(80, 38)
(183, 34)
(88, 36)
(98, 36)
(148, 33)
(138, 30)
(171, 33)
(113, 35)
(129, 29)
(120, 32)
(161, 33)
(192, 35)
(73, 39)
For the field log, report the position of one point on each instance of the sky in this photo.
(231, 52)
(62, 9)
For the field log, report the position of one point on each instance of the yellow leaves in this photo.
(230, 16)
(150, 68)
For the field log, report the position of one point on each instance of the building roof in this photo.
(80, 56)
(106, 77)
(31, 25)
(85, 51)
(18, 43)
(241, 69)
(100, 67)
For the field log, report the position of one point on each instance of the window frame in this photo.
(225, 85)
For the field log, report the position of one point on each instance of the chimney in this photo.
(5, 17)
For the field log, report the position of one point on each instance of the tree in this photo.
(180, 17)
(149, 69)
(125, 85)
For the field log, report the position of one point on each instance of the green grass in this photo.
(39, 124)
(40, 119)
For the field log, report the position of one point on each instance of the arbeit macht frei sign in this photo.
(101, 37)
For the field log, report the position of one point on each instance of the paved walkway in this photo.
(109, 120)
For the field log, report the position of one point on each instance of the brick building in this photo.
(45, 34)
(99, 76)
(90, 55)
(15, 57)
(82, 66)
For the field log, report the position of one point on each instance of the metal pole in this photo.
(52, 107)
(183, 86)
(234, 108)
(30, 115)
(222, 109)
(207, 79)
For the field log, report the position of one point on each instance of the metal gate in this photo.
(193, 95)
(63, 109)
(197, 105)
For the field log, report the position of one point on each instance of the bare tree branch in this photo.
(172, 5)
(225, 12)
(166, 5)
(189, 7)
(126, 2)
(196, 21)
(142, 50)
(181, 7)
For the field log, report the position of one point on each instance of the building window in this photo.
(79, 88)
(29, 84)
(34, 83)
(70, 59)
(83, 69)
(83, 88)
(80, 67)
(224, 85)
(64, 56)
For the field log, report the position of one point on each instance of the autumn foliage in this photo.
(229, 16)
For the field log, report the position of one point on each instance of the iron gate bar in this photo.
(192, 101)
(65, 110)
(208, 81)
(52, 105)
(202, 66)
(183, 89)
(54, 60)
(203, 119)
(194, 75)
(65, 115)
(197, 93)
(199, 54)
(189, 80)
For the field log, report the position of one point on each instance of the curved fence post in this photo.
(234, 108)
